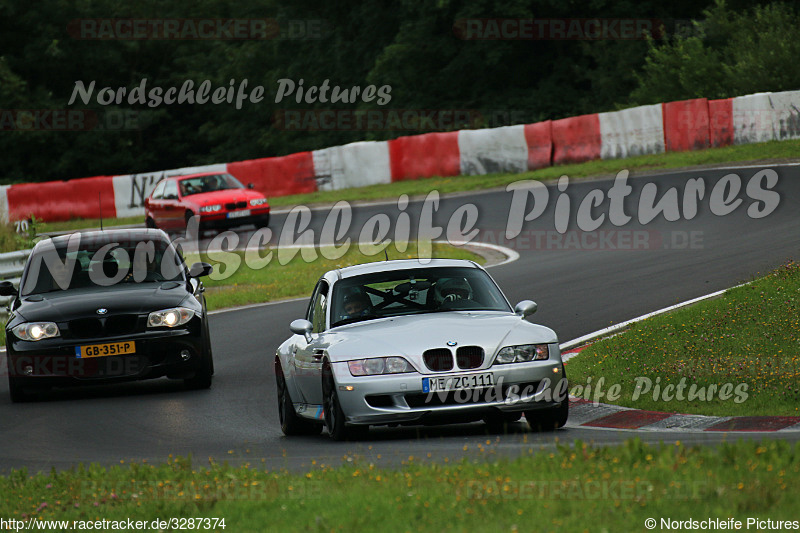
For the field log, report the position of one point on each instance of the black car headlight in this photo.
(523, 353)
(211, 208)
(36, 331)
(169, 318)
(379, 365)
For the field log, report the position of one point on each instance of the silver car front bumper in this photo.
(400, 398)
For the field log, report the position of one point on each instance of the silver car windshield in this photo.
(414, 291)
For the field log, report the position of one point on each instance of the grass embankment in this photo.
(280, 279)
(571, 488)
(744, 152)
(749, 337)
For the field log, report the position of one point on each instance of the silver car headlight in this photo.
(379, 365)
(169, 318)
(523, 353)
(258, 201)
(210, 208)
(36, 331)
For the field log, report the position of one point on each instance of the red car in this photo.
(220, 201)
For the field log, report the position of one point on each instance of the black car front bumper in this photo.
(158, 353)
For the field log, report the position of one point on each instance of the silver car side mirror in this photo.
(303, 327)
(526, 308)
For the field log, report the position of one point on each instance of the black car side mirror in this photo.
(199, 270)
(7, 289)
(251, 186)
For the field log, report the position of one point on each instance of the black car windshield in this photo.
(100, 260)
(210, 183)
(414, 291)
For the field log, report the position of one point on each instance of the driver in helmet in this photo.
(357, 304)
(453, 289)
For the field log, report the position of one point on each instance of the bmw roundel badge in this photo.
(451, 343)
(102, 311)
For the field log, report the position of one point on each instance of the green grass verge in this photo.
(744, 152)
(284, 278)
(571, 488)
(86, 223)
(749, 337)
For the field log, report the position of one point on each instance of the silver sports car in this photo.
(402, 342)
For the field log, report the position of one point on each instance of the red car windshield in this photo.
(210, 183)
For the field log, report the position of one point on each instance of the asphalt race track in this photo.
(579, 289)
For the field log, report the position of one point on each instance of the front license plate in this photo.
(239, 214)
(451, 383)
(104, 350)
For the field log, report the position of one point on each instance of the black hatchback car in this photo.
(107, 306)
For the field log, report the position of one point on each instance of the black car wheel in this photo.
(16, 390)
(291, 424)
(205, 371)
(263, 222)
(332, 410)
(150, 223)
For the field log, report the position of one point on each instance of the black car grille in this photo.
(86, 328)
(438, 359)
(469, 357)
(230, 206)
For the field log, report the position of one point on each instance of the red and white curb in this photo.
(589, 414)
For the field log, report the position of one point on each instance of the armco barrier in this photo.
(62, 200)
(424, 156)
(278, 176)
(4, 204)
(720, 122)
(785, 115)
(576, 139)
(539, 137)
(493, 150)
(752, 119)
(686, 125)
(631, 132)
(353, 165)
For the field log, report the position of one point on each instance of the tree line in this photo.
(417, 67)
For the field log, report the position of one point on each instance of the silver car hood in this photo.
(409, 336)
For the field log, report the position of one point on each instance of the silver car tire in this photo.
(291, 424)
(333, 413)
